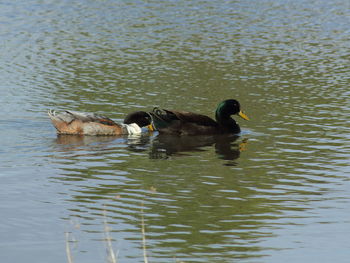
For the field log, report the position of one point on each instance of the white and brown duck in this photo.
(83, 123)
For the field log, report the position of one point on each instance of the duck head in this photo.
(229, 107)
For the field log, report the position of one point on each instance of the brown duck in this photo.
(82, 123)
(188, 123)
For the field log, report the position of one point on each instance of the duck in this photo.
(189, 123)
(85, 123)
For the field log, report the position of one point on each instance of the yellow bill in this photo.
(243, 115)
(150, 127)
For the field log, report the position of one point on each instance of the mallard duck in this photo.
(188, 123)
(82, 123)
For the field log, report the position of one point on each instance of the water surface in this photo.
(278, 192)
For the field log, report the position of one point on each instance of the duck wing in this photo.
(183, 122)
(70, 116)
(194, 118)
(81, 123)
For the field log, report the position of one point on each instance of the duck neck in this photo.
(221, 115)
(225, 121)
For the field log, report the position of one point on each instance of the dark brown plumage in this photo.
(189, 123)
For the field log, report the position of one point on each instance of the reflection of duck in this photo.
(226, 150)
(65, 139)
(188, 123)
(81, 123)
(165, 145)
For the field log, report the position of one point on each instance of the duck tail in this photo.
(52, 115)
(55, 120)
(162, 118)
(60, 117)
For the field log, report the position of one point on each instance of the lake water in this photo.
(280, 192)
